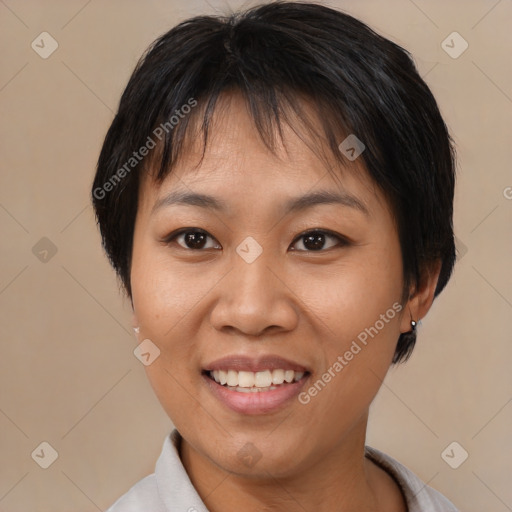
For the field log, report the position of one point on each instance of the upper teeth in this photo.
(257, 379)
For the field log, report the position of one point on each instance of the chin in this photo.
(262, 456)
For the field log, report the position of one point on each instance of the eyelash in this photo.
(342, 241)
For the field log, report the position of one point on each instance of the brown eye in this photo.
(319, 240)
(193, 239)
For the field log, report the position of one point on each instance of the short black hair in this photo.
(274, 54)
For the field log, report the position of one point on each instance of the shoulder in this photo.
(167, 489)
(141, 497)
(419, 496)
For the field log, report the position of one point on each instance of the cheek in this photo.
(163, 292)
(353, 295)
(359, 306)
(163, 298)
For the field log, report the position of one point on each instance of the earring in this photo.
(136, 330)
(413, 325)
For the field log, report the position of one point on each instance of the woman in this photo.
(276, 196)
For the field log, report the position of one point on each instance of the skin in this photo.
(198, 305)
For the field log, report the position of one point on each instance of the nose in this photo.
(255, 298)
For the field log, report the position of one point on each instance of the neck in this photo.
(341, 480)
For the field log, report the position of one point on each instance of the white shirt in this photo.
(169, 488)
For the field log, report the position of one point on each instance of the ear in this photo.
(421, 298)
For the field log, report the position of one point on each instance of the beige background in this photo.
(67, 372)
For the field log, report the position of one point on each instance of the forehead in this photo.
(236, 160)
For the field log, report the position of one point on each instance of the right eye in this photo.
(191, 238)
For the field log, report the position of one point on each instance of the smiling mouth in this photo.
(255, 382)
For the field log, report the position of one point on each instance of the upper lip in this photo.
(254, 364)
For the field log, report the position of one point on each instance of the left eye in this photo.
(316, 240)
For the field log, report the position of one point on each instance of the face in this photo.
(257, 287)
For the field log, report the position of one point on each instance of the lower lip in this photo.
(258, 402)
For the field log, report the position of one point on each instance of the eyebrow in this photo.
(292, 205)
